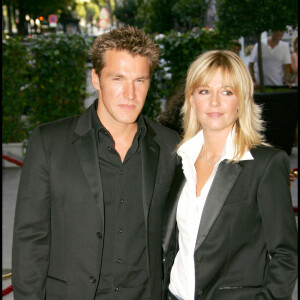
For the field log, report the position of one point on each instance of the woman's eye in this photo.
(228, 93)
(203, 92)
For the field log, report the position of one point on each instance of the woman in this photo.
(294, 57)
(230, 230)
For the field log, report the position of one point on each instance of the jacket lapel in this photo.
(150, 158)
(86, 149)
(224, 180)
(170, 209)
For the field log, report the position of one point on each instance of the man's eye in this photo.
(116, 79)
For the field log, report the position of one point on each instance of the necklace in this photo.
(205, 160)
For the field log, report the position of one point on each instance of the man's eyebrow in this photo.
(122, 76)
(116, 75)
(144, 77)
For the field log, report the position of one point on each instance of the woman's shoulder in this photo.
(263, 153)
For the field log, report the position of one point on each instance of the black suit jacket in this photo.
(246, 246)
(57, 248)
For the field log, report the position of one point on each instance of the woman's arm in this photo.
(278, 221)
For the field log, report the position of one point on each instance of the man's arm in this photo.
(31, 236)
(251, 70)
(287, 71)
(252, 73)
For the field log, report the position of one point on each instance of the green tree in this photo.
(252, 17)
(127, 11)
(92, 12)
(165, 15)
(157, 15)
(190, 13)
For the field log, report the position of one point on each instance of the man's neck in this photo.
(273, 42)
(123, 135)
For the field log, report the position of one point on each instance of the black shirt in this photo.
(124, 273)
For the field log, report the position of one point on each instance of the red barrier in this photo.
(12, 160)
(7, 290)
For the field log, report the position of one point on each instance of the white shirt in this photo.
(189, 211)
(273, 60)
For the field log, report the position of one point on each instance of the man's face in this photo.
(277, 35)
(122, 87)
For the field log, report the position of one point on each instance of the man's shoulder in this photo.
(161, 130)
(60, 123)
(284, 46)
(58, 129)
(283, 43)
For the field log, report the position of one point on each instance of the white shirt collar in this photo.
(192, 147)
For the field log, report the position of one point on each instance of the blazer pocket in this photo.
(56, 287)
(238, 293)
(236, 197)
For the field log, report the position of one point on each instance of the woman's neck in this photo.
(214, 143)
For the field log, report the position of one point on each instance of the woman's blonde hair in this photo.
(249, 125)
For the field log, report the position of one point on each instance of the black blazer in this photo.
(57, 248)
(246, 246)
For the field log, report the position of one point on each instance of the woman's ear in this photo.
(95, 80)
(192, 101)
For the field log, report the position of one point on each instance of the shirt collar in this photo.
(192, 147)
(229, 148)
(97, 125)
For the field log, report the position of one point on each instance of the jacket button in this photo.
(92, 279)
(99, 235)
(163, 260)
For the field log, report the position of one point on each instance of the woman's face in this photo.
(216, 105)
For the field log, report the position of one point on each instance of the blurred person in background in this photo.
(294, 66)
(235, 47)
(276, 60)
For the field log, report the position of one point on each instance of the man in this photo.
(235, 47)
(88, 213)
(276, 60)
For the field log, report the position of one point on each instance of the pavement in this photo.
(10, 182)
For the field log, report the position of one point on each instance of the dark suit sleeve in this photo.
(31, 236)
(279, 226)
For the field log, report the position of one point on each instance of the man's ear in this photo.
(95, 80)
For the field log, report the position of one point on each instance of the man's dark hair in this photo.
(127, 38)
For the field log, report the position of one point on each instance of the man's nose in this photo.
(129, 91)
